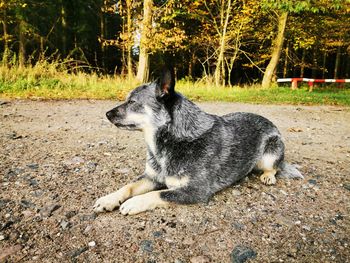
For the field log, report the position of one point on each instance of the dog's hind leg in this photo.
(114, 200)
(266, 164)
(272, 157)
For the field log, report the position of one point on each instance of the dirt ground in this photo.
(58, 157)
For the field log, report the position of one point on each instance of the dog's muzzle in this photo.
(110, 115)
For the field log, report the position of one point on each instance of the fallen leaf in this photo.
(295, 129)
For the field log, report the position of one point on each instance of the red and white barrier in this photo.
(311, 81)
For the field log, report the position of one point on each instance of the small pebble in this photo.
(2, 237)
(283, 192)
(146, 246)
(26, 204)
(238, 226)
(87, 229)
(241, 254)
(157, 233)
(312, 181)
(200, 259)
(236, 192)
(33, 166)
(92, 244)
(347, 186)
(32, 182)
(306, 228)
(48, 210)
(88, 217)
(70, 214)
(65, 224)
(188, 241)
(27, 213)
(78, 251)
(123, 171)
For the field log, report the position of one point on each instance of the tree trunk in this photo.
(191, 64)
(324, 64)
(347, 66)
(302, 67)
(276, 51)
(143, 67)
(129, 43)
(22, 50)
(286, 61)
(337, 62)
(314, 63)
(219, 74)
(64, 29)
(42, 51)
(103, 35)
(6, 45)
(123, 47)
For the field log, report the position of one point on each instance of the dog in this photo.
(191, 154)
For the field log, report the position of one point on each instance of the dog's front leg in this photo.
(162, 198)
(115, 199)
(143, 203)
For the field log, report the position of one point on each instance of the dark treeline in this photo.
(226, 41)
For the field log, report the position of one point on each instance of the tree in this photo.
(222, 28)
(276, 49)
(282, 8)
(143, 66)
(5, 38)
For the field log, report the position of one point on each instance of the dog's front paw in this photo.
(108, 202)
(142, 203)
(134, 206)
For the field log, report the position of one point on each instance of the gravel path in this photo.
(58, 157)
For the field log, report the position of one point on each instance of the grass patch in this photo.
(330, 95)
(50, 81)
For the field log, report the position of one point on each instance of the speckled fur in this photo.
(207, 153)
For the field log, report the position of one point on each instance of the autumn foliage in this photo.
(225, 42)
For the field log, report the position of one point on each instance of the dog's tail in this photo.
(287, 170)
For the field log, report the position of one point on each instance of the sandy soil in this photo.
(57, 158)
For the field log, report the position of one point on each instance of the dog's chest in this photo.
(160, 172)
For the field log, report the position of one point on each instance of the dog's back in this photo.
(228, 150)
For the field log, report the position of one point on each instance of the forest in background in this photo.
(228, 42)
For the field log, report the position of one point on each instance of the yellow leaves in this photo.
(108, 42)
(165, 39)
(304, 42)
(4, 4)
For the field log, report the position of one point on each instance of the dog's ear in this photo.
(165, 84)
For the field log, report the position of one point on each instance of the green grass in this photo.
(49, 81)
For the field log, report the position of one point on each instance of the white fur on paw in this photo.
(134, 206)
(268, 178)
(108, 202)
(142, 203)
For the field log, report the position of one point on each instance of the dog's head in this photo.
(147, 105)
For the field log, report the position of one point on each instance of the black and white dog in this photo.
(191, 154)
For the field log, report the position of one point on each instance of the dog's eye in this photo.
(132, 101)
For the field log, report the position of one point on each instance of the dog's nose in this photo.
(109, 115)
